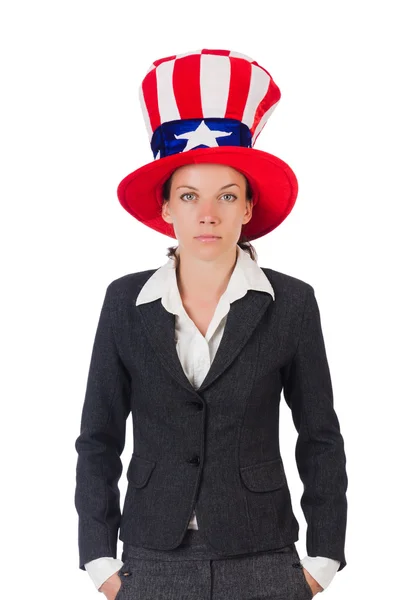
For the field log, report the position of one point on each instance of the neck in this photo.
(203, 280)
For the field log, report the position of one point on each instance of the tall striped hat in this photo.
(209, 106)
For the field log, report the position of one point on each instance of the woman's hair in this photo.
(243, 241)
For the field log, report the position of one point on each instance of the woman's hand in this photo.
(314, 585)
(111, 586)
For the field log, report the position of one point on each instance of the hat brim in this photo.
(274, 186)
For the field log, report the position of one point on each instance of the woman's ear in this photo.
(165, 213)
(248, 212)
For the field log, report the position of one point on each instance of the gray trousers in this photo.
(194, 571)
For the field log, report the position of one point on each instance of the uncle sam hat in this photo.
(209, 106)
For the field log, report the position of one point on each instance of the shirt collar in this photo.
(246, 275)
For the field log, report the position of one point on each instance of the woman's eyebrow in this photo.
(193, 188)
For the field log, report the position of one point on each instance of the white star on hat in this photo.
(202, 135)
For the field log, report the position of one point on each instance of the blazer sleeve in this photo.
(319, 451)
(101, 442)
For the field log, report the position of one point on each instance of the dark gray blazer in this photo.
(215, 448)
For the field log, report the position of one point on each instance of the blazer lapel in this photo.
(242, 319)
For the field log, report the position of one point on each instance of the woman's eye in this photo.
(189, 194)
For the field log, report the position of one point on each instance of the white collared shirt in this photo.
(196, 353)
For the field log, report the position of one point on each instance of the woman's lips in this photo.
(207, 238)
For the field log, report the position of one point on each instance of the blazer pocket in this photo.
(264, 476)
(139, 470)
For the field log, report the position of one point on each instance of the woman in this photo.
(242, 334)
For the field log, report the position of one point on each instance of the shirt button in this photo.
(195, 460)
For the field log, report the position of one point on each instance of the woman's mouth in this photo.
(207, 238)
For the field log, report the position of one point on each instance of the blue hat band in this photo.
(173, 137)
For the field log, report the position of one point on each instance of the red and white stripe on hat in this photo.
(208, 83)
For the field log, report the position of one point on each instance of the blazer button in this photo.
(195, 460)
(195, 403)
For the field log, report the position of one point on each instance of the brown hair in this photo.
(243, 242)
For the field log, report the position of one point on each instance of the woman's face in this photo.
(207, 199)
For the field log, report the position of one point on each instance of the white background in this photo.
(72, 128)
